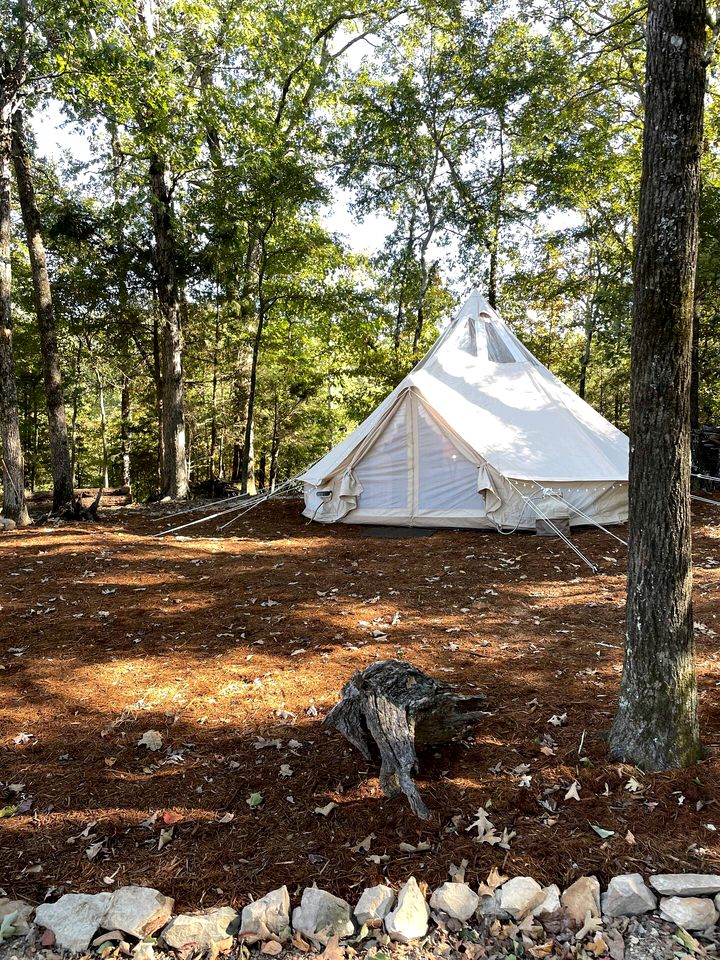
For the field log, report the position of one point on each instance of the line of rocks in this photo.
(72, 922)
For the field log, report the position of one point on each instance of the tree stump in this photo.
(76, 510)
(401, 709)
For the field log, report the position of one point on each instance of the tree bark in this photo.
(125, 431)
(60, 465)
(103, 430)
(12, 456)
(497, 222)
(174, 471)
(656, 725)
(695, 371)
(585, 360)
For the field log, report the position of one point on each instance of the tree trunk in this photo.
(45, 311)
(213, 424)
(274, 445)
(695, 371)
(585, 361)
(174, 478)
(105, 480)
(12, 457)
(496, 223)
(73, 422)
(125, 431)
(656, 725)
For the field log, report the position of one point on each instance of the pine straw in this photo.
(212, 671)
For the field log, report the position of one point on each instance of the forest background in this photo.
(206, 305)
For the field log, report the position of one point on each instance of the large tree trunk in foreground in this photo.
(656, 725)
(57, 424)
(174, 472)
(399, 707)
(12, 457)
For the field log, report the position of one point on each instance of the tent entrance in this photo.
(414, 473)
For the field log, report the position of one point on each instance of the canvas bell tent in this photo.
(479, 434)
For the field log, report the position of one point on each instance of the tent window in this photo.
(498, 351)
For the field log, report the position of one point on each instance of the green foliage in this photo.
(500, 140)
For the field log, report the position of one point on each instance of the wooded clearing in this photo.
(234, 648)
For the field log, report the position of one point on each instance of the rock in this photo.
(581, 898)
(685, 884)
(321, 916)
(201, 930)
(550, 902)
(690, 913)
(267, 916)
(21, 923)
(409, 920)
(143, 951)
(7, 524)
(74, 918)
(374, 904)
(519, 896)
(628, 895)
(139, 911)
(457, 900)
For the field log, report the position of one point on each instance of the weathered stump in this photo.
(401, 709)
(76, 510)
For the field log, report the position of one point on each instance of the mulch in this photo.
(234, 647)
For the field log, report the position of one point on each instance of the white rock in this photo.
(374, 904)
(21, 923)
(73, 918)
(321, 916)
(685, 884)
(628, 895)
(139, 911)
(691, 913)
(581, 898)
(268, 915)
(519, 895)
(456, 900)
(201, 930)
(409, 920)
(143, 951)
(550, 902)
(7, 524)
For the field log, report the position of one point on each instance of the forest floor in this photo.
(233, 648)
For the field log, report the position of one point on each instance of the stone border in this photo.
(690, 902)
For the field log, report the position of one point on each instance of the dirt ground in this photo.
(234, 647)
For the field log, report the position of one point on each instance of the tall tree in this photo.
(656, 725)
(45, 311)
(13, 69)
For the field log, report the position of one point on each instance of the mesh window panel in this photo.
(497, 349)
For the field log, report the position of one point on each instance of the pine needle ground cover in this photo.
(161, 717)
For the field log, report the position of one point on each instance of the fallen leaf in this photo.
(328, 808)
(601, 832)
(165, 837)
(272, 948)
(333, 950)
(170, 817)
(152, 739)
(254, 800)
(572, 793)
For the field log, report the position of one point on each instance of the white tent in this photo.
(479, 434)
